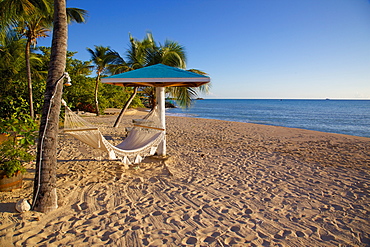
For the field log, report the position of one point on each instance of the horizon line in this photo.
(291, 98)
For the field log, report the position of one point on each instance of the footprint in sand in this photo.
(248, 211)
(125, 211)
(103, 212)
(157, 213)
(224, 210)
(232, 240)
(185, 217)
(190, 240)
(235, 228)
(209, 240)
(134, 228)
(325, 236)
(82, 206)
(282, 234)
(299, 234)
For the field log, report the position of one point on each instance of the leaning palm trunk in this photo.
(96, 95)
(45, 196)
(119, 118)
(29, 79)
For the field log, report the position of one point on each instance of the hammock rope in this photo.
(140, 142)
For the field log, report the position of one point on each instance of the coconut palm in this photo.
(147, 52)
(12, 61)
(12, 10)
(37, 26)
(185, 95)
(33, 20)
(32, 29)
(102, 57)
(136, 58)
(45, 196)
(138, 51)
(173, 54)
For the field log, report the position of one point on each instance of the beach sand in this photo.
(223, 184)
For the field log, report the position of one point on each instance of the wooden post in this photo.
(162, 111)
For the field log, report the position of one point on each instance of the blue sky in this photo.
(250, 48)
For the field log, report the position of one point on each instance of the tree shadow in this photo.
(74, 160)
(8, 207)
(29, 171)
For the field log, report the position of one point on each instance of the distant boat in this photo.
(199, 99)
(327, 99)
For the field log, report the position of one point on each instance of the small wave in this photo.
(181, 114)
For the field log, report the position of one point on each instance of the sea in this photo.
(350, 117)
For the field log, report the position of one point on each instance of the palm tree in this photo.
(102, 57)
(138, 51)
(136, 58)
(38, 26)
(147, 52)
(13, 15)
(172, 54)
(185, 95)
(34, 23)
(33, 28)
(45, 196)
(12, 10)
(12, 61)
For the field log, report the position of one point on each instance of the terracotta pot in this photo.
(9, 184)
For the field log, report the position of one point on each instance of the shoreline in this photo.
(224, 184)
(143, 111)
(297, 128)
(342, 117)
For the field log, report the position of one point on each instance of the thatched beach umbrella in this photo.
(158, 76)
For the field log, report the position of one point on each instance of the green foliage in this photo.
(12, 67)
(20, 131)
(148, 52)
(115, 97)
(13, 82)
(11, 105)
(81, 95)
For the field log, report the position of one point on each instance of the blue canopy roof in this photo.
(158, 75)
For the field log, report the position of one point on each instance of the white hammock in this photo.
(140, 142)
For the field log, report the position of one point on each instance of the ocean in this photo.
(350, 117)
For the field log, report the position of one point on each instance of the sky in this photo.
(251, 49)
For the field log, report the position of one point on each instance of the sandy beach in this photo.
(222, 184)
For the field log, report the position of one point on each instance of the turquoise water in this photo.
(351, 117)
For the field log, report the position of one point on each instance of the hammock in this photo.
(140, 142)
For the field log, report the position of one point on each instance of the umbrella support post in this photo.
(160, 94)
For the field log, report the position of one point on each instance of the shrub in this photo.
(20, 137)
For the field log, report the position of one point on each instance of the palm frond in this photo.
(183, 95)
(76, 15)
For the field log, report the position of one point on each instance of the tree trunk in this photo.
(29, 79)
(96, 94)
(45, 196)
(119, 118)
(154, 98)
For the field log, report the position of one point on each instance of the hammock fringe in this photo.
(140, 142)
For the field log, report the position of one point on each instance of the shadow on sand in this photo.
(8, 207)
